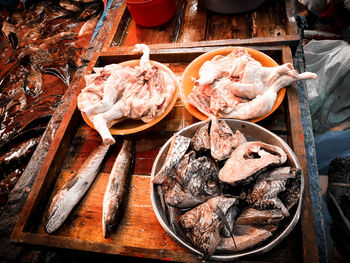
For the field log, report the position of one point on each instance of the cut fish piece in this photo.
(200, 141)
(246, 237)
(222, 139)
(177, 149)
(202, 225)
(197, 183)
(268, 186)
(248, 159)
(251, 216)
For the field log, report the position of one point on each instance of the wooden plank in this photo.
(309, 243)
(192, 28)
(228, 26)
(265, 22)
(192, 23)
(292, 28)
(119, 7)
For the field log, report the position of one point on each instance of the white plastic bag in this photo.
(329, 94)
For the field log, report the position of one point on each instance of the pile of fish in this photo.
(224, 191)
(114, 93)
(41, 46)
(70, 194)
(237, 86)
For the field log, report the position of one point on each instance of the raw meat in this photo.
(142, 92)
(237, 86)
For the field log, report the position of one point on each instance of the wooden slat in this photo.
(192, 23)
(291, 23)
(117, 12)
(192, 29)
(309, 243)
(228, 27)
(265, 22)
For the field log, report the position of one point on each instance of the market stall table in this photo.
(176, 44)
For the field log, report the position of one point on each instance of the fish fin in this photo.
(214, 241)
(279, 204)
(222, 216)
(160, 176)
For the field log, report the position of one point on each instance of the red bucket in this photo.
(150, 13)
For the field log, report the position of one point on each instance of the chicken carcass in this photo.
(237, 86)
(142, 92)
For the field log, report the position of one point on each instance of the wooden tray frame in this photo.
(186, 18)
(25, 229)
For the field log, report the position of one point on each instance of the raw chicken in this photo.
(237, 86)
(114, 93)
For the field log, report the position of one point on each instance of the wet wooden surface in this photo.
(272, 22)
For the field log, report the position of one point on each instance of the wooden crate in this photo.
(139, 233)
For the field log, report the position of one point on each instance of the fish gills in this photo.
(116, 190)
(202, 225)
(72, 191)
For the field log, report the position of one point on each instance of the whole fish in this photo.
(72, 191)
(116, 190)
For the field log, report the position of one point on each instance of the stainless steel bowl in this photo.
(230, 6)
(258, 133)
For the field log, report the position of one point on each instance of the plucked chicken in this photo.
(114, 93)
(237, 86)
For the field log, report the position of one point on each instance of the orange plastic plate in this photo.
(129, 126)
(192, 70)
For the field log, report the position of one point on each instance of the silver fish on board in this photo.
(70, 194)
(116, 191)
